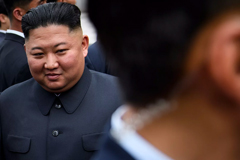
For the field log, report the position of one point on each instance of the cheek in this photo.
(73, 62)
(35, 65)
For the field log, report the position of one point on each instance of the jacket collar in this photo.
(14, 37)
(3, 31)
(70, 99)
(16, 32)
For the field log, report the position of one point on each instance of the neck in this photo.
(205, 125)
(16, 25)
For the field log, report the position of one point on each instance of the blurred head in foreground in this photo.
(149, 44)
(186, 52)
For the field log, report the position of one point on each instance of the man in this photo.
(178, 106)
(66, 1)
(61, 111)
(13, 60)
(4, 21)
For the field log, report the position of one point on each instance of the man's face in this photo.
(56, 56)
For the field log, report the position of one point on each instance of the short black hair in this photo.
(147, 42)
(51, 13)
(3, 9)
(11, 4)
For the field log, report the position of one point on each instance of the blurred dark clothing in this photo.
(13, 61)
(65, 127)
(96, 60)
(2, 36)
(110, 149)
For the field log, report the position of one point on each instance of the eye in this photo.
(37, 54)
(61, 51)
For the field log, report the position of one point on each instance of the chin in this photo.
(54, 89)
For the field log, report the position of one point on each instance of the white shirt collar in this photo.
(129, 139)
(2, 31)
(57, 94)
(15, 32)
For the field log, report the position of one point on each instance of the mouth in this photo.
(52, 77)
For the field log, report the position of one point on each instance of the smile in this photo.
(52, 77)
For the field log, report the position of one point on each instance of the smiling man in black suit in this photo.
(58, 114)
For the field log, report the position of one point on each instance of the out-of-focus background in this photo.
(87, 26)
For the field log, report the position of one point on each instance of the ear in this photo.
(85, 44)
(3, 18)
(18, 13)
(224, 63)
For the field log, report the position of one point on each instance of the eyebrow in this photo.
(34, 48)
(62, 43)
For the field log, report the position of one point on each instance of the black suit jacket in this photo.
(13, 61)
(95, 60)
(2, 36)
(34, 127)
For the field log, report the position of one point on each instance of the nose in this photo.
(51, 62)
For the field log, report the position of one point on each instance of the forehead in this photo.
(53, 33)
(50, 29)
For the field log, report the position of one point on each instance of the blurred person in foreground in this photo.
(4, 21)
(58, 114)
(13, 61)
(178, 65)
